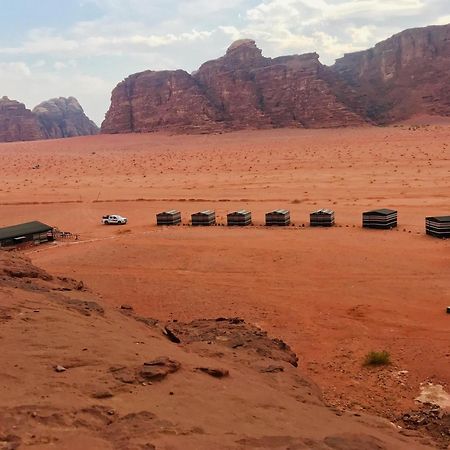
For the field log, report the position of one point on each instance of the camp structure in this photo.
(321, 218)
(171, 217)
(36, 232)
(380, 218)
(239, 218)
(204, 218)
(279, 217)
(438, 226)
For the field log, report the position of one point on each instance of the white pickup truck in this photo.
(114, 219)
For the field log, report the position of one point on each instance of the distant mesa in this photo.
(56, 118)
(402, 76)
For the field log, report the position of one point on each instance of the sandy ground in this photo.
(333, 294)
(75, 375)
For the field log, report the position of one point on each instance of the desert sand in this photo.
(77, 375)
(332, 294)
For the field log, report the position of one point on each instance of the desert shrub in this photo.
(377, 358)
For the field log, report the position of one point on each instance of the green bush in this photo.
(377, 358)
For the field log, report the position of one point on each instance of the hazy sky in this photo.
(51, 48)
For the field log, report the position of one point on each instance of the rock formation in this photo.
(64, 117)
(151, 100)
(241, 90)
(17, 123)
(402, 76)
(56, 118)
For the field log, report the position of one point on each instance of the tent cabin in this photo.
(239, 218)
(279, 217)
(321, 218)
(171, 217)
(36, 232)
(438, 226)
(204, 218)
(380, 218)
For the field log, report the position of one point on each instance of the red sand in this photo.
(333, 294)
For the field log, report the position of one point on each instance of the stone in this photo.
(170, 334)
(102, 394)
(214, 372)
(60, 369)
(126, 307)
(272, 369)
(158, 369)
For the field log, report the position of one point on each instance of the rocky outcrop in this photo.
(64, 117)
(256, 92)
(241, 90)
(17, 123)
(152, 100)
(56, 118)
(402, 76)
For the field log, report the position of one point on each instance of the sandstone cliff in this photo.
(17, 123)
(151, 100)
(64, 117)
(241, 90)
(402, 76)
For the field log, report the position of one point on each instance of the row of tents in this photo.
(384, 218)
(38, 232)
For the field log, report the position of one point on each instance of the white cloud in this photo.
(32, 85)
(14, 69)
(443, 20)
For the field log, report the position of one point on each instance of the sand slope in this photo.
(103, 400)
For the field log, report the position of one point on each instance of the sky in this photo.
(83, 48)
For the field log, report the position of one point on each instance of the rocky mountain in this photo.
(17, 123)
(402, 76)
(56, 118)
(64, 117)
(241, 90)
(76, 374)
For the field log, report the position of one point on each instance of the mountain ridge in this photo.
(400, 77)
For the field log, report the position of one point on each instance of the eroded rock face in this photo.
(242, 89)
(400, 77)
(404, 75)
(17, 123)
(64, 117)
(56, 118)
(150, 101)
